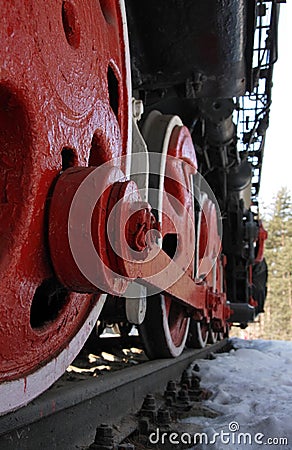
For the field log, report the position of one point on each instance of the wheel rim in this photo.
(208, 268)
(66, 104)
(165, 328)
(198, 334)
(176, 320)
(220, 336)
(213, 337)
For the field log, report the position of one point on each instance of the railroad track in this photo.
(67, 415)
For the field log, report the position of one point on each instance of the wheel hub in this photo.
(97, 221)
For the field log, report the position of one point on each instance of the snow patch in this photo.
(252, 387)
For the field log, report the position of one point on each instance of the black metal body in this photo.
(202, 43)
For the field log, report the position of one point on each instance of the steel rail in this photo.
(66, 416)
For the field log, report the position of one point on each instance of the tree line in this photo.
(276, 322)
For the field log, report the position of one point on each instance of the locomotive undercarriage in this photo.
(224, 99)
(89, 216)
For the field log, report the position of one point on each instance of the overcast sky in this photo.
(277, 164)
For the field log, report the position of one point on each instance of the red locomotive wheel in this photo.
(65, 97)
(208, 269)
(199, 333)
(172, 161)
(165, 327)
(213, 337)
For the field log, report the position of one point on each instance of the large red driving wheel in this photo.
(165, 328)
(64, 93)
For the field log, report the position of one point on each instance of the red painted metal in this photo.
(62, 76)
(177, 319)
(98, 231)
(210, 261)
(209, 243)
(64, 103)
(164, 331)
(260, 247)
(129, 221)
(159, 270)
(178, 206)
(175, 276)
(96, 223)
(262, 236)
(140, 223)
(78, 220)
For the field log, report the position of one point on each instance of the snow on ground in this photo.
(252, 388)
